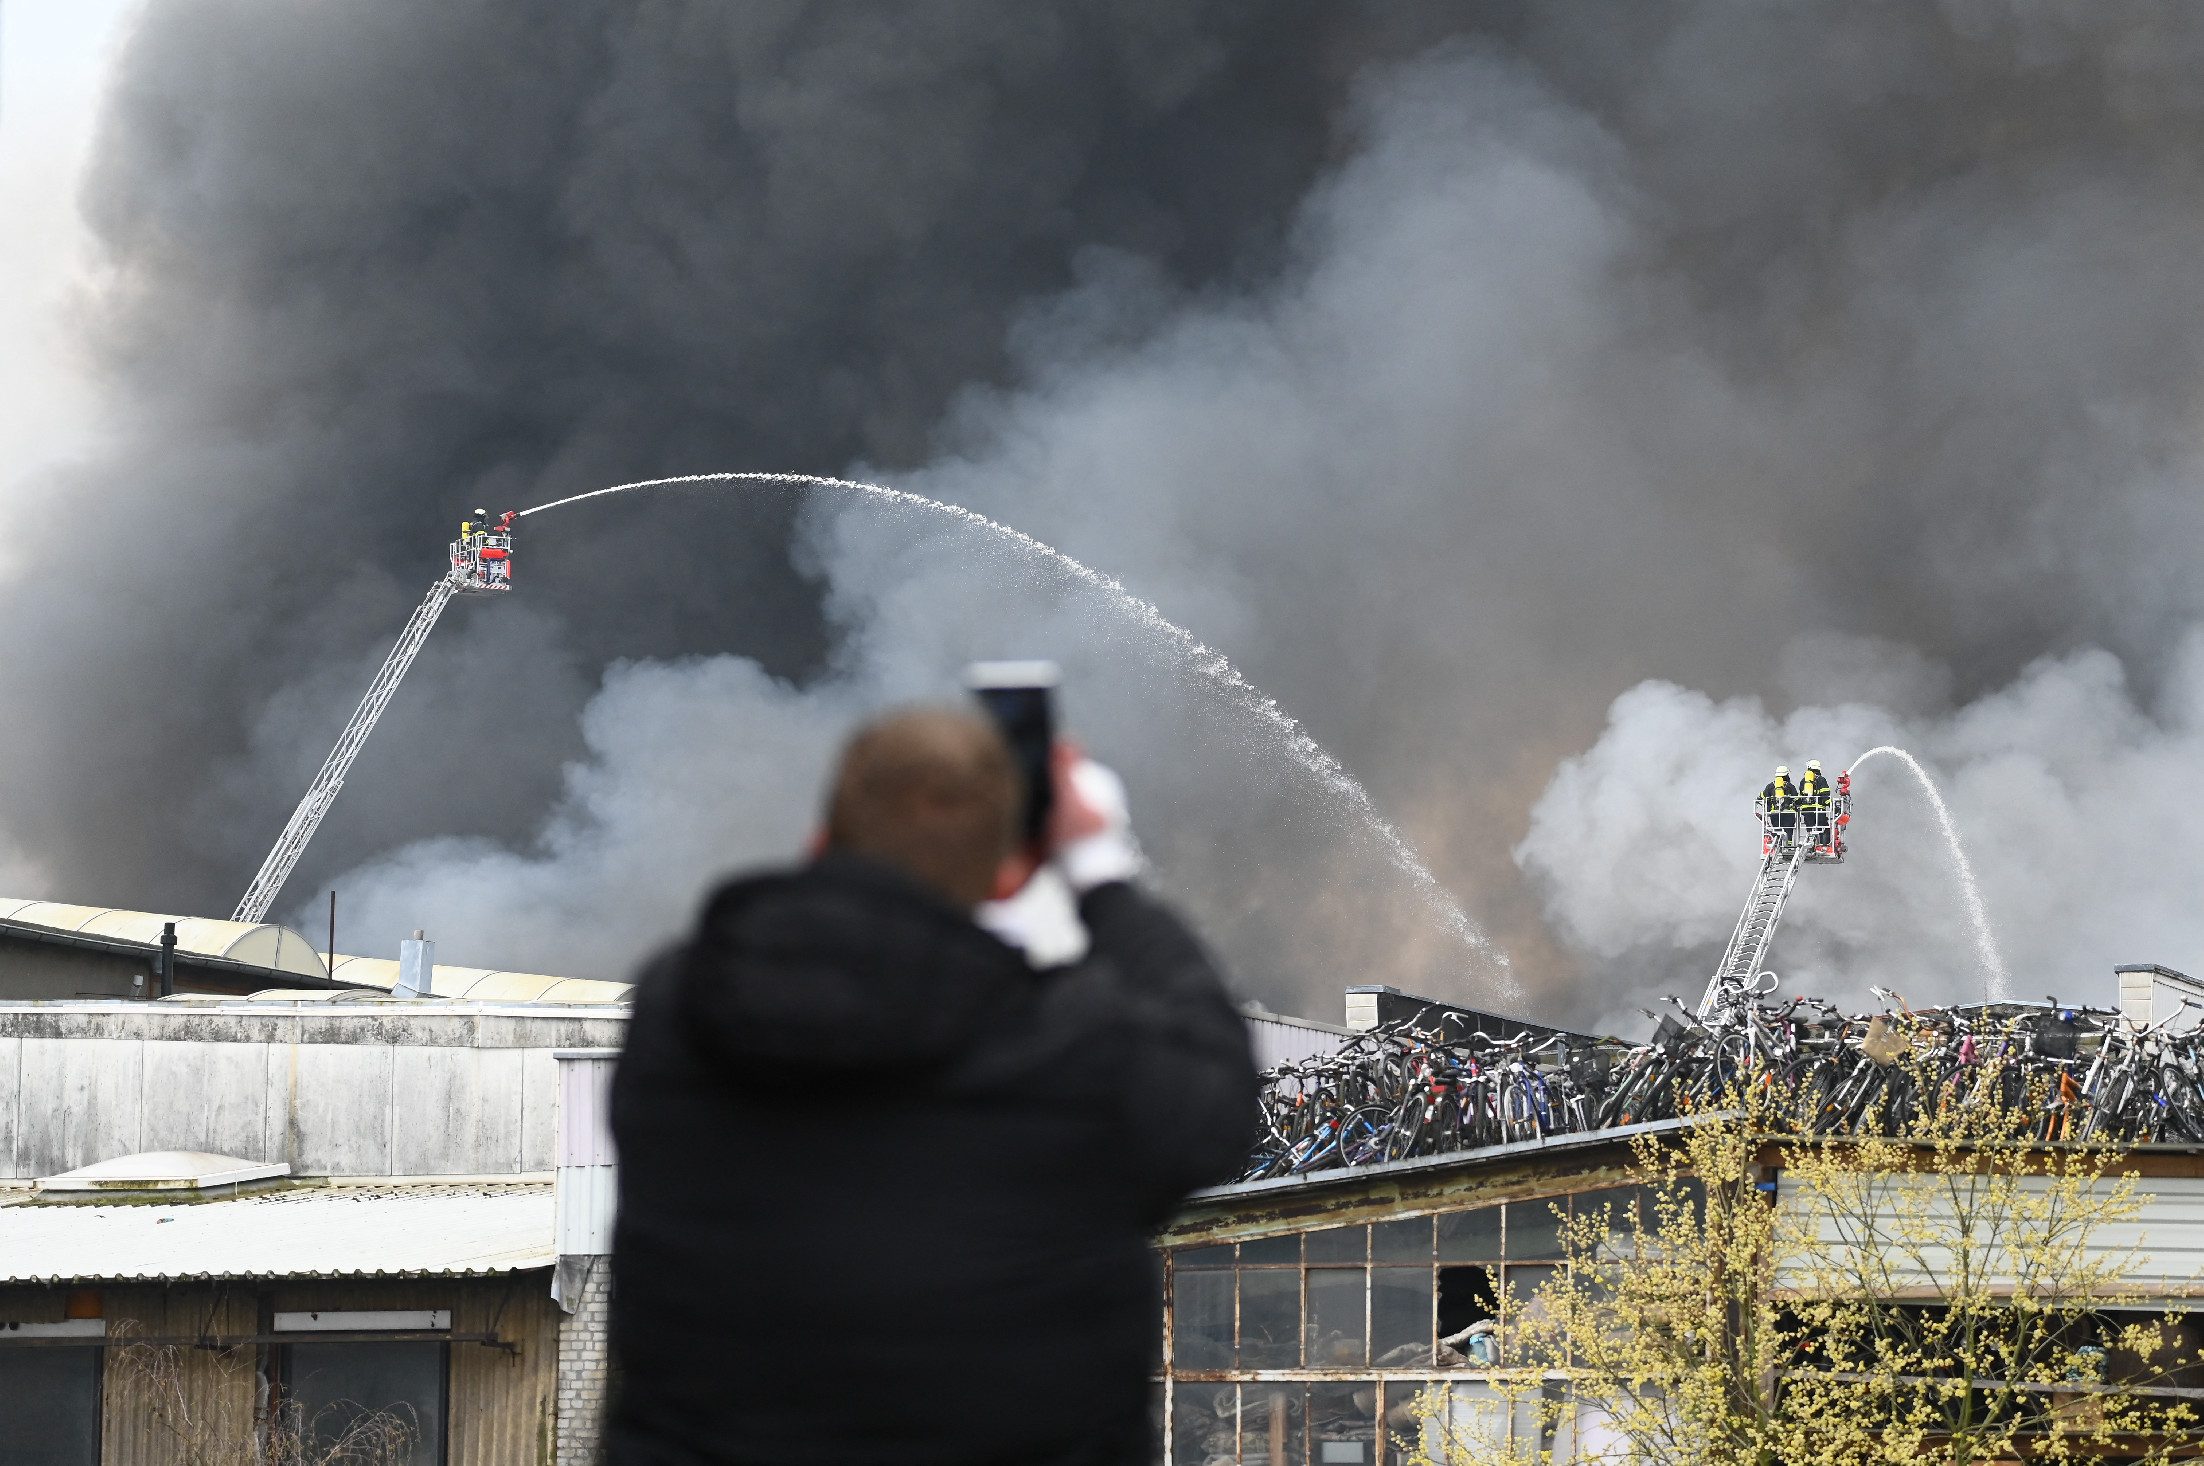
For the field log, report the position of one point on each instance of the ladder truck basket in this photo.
(482, 557)
(1820, 829)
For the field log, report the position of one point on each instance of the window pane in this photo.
(363, 1393)
(1522, 1284)
(1533, 1230)
(1286, 1249)
(49, 1405)
(1343, 1424)
(1336, 1318)
(1469, 1414)
(1408, 1241)
(1270, 1318)
(1617, 1205)
(1204, 1424)
(1218, 1256)
(1201, 1320)
(1400, 1317)
(1470, 1236)
(1338, 1244)
(1272, 1420)
(1541, 1424)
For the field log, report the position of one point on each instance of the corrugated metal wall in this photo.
(588, 1182)
(501, 1401)
(156, 1403)
(1279, 1042)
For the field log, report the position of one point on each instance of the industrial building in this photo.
(231, 1212)
(49, 949)
(322, 1197)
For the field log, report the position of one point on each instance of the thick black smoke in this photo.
(368, 268)
(1457, 371)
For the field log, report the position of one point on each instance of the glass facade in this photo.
(1313, 1346)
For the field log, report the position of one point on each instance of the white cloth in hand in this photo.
(1110, 853)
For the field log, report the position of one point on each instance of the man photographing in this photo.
(886, 1192)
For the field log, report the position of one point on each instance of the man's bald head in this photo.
(932, 791)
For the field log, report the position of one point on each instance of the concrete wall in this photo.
(382, 1090)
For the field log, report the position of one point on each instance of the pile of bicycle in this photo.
(1402, 1091)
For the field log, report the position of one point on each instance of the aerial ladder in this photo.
(481, 564)
(1787, 842)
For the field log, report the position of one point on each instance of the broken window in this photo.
(1401, 1298)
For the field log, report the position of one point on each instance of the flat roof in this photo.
(396, 1231)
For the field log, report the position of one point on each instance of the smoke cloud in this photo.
(2066, 785)
(1689, 386)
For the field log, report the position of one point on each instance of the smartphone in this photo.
(1020, 697)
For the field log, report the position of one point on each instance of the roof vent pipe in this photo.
(416, 967)
(168, 959)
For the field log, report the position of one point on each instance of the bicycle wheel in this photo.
(1362, 1138)
(1405, 1138)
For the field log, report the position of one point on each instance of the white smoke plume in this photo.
(2071, 792)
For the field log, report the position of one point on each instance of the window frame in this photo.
(1388, 1384)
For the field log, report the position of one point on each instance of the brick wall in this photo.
(585, 1358)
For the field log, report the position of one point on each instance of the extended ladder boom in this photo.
(291, 844)
(1748, 946)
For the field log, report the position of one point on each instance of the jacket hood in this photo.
(845, 963)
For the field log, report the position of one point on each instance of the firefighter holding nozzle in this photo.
(1813, 805)
(1778, 804)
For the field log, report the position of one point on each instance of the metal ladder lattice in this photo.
(322, 793)
(1748, 946)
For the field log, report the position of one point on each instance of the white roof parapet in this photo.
(334, 1232)
(484, 984)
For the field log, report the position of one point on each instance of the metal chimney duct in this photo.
(416, 967)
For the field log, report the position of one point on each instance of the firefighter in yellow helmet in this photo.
(1813, 805)
(1779, 805)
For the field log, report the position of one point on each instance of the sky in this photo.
(54, 54)
(1565, 412)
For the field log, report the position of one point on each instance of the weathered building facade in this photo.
(393, 1246)
(1305, 1317)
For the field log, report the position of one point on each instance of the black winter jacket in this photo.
(886, 1193)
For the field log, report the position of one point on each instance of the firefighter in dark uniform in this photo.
(1779, 802)
(1813, 805)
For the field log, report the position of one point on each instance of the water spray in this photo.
(481, 562)
(1998, 981)
(1211, 665)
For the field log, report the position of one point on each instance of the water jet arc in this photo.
(1211, 665)
(1994, 973)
